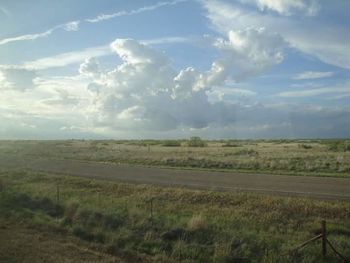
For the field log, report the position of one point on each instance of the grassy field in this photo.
(103, 221)
(294, 157)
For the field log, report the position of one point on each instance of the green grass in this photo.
(185, 225)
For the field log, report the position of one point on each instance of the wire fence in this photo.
(325, 242)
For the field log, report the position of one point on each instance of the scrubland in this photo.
(71, 219)
(293, 157)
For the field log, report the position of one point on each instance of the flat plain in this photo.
(84, 218)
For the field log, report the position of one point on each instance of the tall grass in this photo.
(186, 225)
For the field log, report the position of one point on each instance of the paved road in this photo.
(319, 187)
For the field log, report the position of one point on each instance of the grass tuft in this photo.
(197, 222)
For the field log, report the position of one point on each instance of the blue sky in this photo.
(174, 69)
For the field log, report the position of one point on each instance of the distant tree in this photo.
(196, 142)
(171, 143)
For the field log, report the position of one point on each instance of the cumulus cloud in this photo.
(330, 45)
(146, 92)
(314, 75)
(63, 98)
(90, 67)
(16, 78)
(252, 50)
(245, 53)
(75, 57)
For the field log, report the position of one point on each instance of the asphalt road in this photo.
(317, 187)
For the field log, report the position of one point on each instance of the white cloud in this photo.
(26, 37)
(5, 11)
(287, 7)
(71, 26)
(90, 67)
(314, 75)
(146, 92)
(16, 78)
(316, 92)
(166, 40)
(330, 45)
(246, 53)
(75, 57)
(74, 25)
(65, 59)
(252, 50)
(103, 17)
(138, 92)
(61, 98)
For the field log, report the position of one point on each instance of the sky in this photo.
(219, 69)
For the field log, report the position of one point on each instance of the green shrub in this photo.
(231, 144)
(171, 143)
(83, 233)
(249, 152)
(44, 204)
(196, 142)
(113, 221)
(305, 146)
(339, 146)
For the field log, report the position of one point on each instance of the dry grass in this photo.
(299, 156)
(71, 210)
(197, 222)
(205, 226)
(21, 243)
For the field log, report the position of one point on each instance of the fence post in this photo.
(324, 239)
(58, 195)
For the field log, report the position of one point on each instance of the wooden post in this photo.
(58, 195)
(57, 199)
(324, 239)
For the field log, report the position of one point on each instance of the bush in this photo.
(196, 142)
(83, 233)
(249, 152)
(339, 146)
(305, 146)
(231, 144)
(171, 143)
(114, 221)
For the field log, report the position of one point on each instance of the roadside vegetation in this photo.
(293, 157)
(138, 223)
